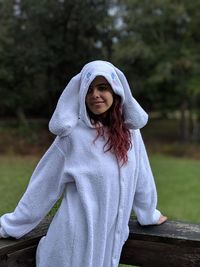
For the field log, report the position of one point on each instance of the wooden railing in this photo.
(173, 244)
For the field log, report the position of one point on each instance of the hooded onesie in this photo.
(91, 224)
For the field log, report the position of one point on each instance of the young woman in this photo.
(99, 164)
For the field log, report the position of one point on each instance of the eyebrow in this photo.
(99, 84)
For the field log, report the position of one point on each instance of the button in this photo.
(114, 262)
(114, 258)
(117, 236)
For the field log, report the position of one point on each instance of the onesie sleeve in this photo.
(46, 186)
(145, 199)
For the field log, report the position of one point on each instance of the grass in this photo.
(177, 180)
(15, 172)
(178, 183)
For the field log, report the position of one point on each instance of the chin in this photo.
(99, 112)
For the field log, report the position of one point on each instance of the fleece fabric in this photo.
(71, 105)
(91, 225)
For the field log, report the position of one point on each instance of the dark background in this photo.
(44, 43)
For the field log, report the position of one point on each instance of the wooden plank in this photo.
(20, 258)
(10, 245)
(171, 244)
(153, 254)
(170, 231)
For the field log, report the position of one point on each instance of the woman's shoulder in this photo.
(79, 134)
(135, 133)
(137, 139)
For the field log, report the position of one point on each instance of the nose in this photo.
(95, 92)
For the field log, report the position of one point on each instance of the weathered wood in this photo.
(21, 252)
(171, 244)
(20, 258)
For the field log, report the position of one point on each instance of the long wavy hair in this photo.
(114, 130)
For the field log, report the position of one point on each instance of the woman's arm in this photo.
(46, 186)
(145, 199)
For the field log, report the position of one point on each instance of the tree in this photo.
(159, 47)
(43, 44)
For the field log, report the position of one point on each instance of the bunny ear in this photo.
(71, 104)
(65, 116)
(134, 114)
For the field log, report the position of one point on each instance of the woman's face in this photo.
(99, 97)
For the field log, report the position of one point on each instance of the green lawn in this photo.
(15, 172)
(178, 183)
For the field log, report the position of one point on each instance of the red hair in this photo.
(117, 132)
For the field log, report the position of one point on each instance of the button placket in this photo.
(119, 220)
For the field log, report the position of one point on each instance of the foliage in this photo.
(159, 47)
(43, 44)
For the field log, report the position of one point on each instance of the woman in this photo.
(99, 164)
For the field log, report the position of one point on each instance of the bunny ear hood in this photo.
(71, 105)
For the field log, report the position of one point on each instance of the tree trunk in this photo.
(196, 128)
(184, 122)
(21, 116)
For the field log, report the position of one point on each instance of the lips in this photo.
(97, 103)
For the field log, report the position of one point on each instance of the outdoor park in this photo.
(156, 44)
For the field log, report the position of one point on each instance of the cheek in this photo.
(110, 99)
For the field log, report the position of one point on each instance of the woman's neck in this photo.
(101, 118)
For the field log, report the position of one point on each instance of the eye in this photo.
(89, 90)
(103, 87)
(100, 87)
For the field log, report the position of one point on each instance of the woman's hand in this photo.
(162, 219)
